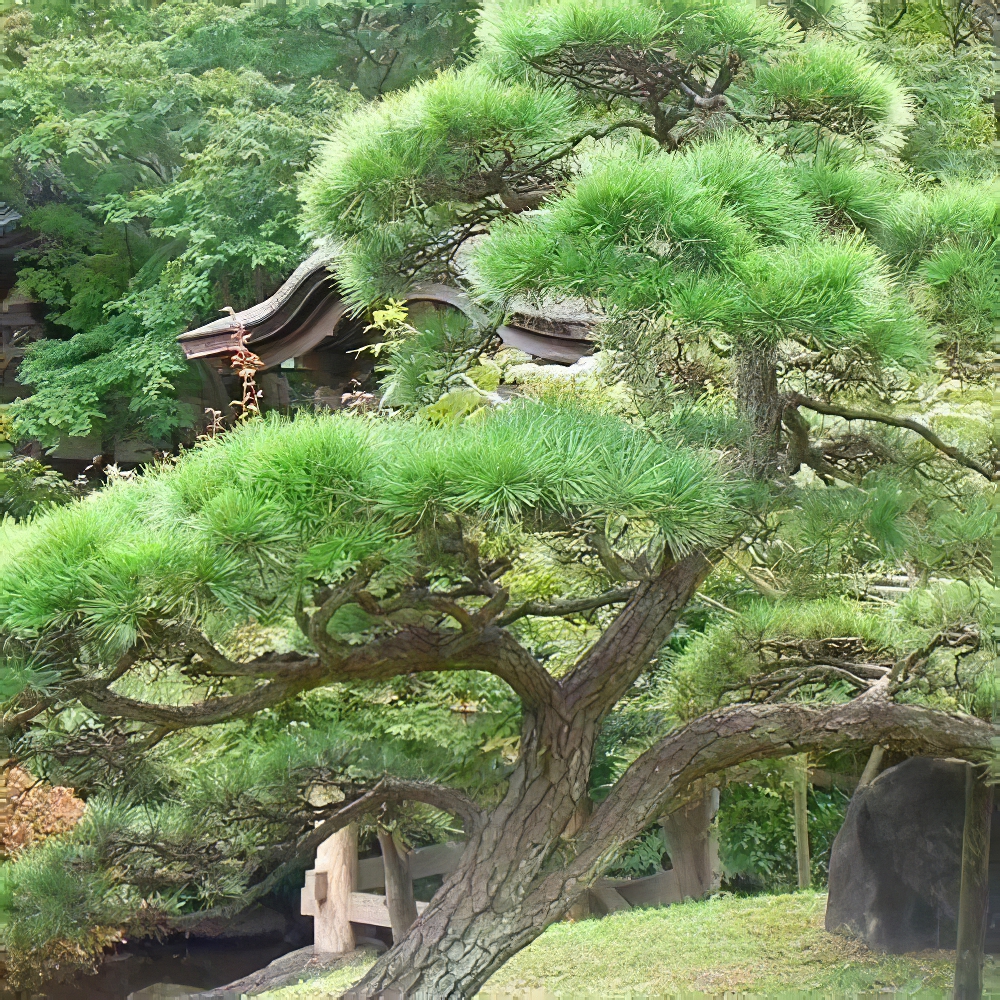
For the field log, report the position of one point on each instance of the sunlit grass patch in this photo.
(759, 944)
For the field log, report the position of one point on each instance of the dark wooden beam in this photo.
(974, 893)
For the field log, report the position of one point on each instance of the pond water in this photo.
(202, 964)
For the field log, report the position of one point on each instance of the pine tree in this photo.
(383, 549)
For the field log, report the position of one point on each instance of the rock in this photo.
(895, 865)
(285, 971)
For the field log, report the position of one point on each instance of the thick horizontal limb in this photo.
(410, 650)
(419, 650)
(751, 732)
(95, 696)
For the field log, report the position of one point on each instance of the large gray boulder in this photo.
(895, 866)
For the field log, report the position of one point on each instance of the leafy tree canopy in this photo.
(155, 152)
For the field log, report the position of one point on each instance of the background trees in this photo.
(750, 244)
(155, 152)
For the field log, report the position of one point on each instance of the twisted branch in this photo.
(955, 454)
(387, 790)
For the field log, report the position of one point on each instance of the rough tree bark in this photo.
(758, 398)
(522, 871)
(529, 861)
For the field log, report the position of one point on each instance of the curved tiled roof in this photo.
(308, 310)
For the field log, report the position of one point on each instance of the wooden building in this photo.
(308, 337)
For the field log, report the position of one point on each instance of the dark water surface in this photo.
(198, 963)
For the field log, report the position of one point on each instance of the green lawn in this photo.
(762, 944)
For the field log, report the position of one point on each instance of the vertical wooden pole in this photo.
(398, 885)
(974, 892)
(800, 803)
(338, 858)
(872, 768)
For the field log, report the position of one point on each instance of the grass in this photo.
(760, 944)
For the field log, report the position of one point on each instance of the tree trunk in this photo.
(520, 873)
(492, 906)
(687, 831)
(398, 885)
(580, 910)
(758, 399)
(514, 880)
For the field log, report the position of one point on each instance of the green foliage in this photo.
(851, 192)
(28, 486)
(427, 353)
(404, 183)
(168, 142)
(836, 530)
(717, 664)
(835, 85)
(917, 223)
(945, 237)
(50, 899)
(642, 856)
(693, 31)
(954, 127)
(757, 831)
(405, 174)
(194, 822)
(240, 522)
(672, 232)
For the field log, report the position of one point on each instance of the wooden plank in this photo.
(367, 908)
(319, 886)
(438, 859)
(370, 874)
(608, 900)
(338, 857)
(660, 889)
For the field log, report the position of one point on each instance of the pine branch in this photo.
(926, 433)
(560, 609)
(388, 789)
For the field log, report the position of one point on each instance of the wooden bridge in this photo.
(338, 891)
